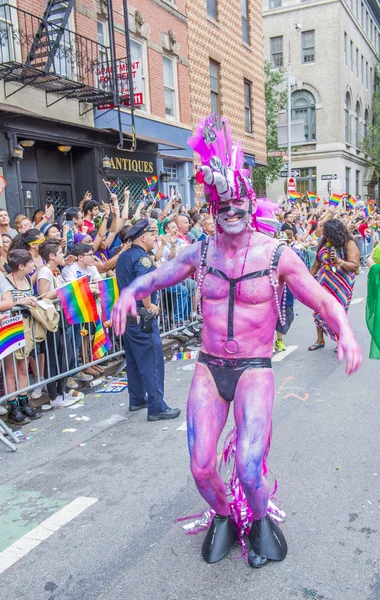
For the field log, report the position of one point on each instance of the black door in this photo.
(59, 195)
(31, 199)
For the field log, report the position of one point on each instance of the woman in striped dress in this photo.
(335, 267)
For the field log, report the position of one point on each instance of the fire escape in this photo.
(46, 54)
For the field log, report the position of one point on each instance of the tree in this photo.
(275, 101)
(371, 143)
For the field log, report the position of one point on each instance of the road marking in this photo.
(33, 538)
(182, 427)
(281, 355)
(357, 300)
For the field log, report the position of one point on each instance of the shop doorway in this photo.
(59, 195)
(30, 198)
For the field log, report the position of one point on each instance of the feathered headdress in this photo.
(222, 171)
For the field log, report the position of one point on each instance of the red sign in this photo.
(3, 183)
(291, 184)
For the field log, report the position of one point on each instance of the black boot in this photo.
(267, 541)
(27, 410)
(219, 539)
(15, 415)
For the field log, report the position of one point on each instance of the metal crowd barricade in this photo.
(178, 307)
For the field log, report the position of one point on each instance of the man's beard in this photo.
(234, 225)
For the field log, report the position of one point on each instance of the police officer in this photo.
(142, 341)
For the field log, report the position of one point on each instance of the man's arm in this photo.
(169, 274)
(306, 289)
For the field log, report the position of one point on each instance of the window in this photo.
(244, 21)
(6, 37)
(362, 68)
(357, 125)
(366, 75)
(171, 169)
(138, 54)
(357, 9)
(348, 177)
(170, 87)
(248, 106)
(357, 63)
(102, 41)
(370, 78)
(308, 47)
(214, 87)
(275, 3)
(362, 15)
(357, 182)
(345, 48)
(307, 181)
(276, 52)
(352, 56)
(303, 109)
(371, 30)
(366, 121)
(347, 121)
(211, 9)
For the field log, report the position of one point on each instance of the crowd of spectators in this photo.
(40, 254)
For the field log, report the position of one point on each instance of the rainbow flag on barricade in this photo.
(101, 342)
(78, 302)
(152, 182)
(294, 196)
(351, 202)
(334, 200)
(314, 199)
(11, 335)
(108, 293)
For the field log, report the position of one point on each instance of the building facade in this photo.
(56, 101)
(332, 53)
(227, 69)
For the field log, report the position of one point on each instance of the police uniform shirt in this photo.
(133, 263)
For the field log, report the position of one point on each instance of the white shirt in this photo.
(5, 285)
(180, 244)
(74, 272)
(46, 273)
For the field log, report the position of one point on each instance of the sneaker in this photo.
(83, 377)
(37, 392)
(61, 402)
(279, 345)
(73, 394)
(71, 384)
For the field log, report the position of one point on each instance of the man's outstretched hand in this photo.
(125, 305)
(349, 348)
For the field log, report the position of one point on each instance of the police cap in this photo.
(142, 226)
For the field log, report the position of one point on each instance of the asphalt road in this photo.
(125, 545)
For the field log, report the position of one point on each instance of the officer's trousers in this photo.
(145, 367)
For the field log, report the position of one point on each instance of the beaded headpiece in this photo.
(222, 171)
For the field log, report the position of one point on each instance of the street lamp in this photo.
(298, 28)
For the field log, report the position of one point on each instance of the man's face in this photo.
(53, 233)
(78, 222)
(88, 258)
(234, 221)
(94, 212)
(172, 229)
(149, 239)
(289, 218)
(4, 217)
(25, 225)
(209, 226)
(183, 225)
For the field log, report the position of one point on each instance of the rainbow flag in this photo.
(314, 199)
(334, 200)
(11, 335)
(110, 185)
(108, 293)
(145, 193)
(101, 342)
(351, 202)
(152, 182)
(368, 210)
(294, 196)
(161, 196)
(78, 302)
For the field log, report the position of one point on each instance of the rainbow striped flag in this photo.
(78, 302)
(161, 196)
(368, 210)
(110, 185)
(11, 335)
(334, 200)
(294, 196)
(152, 182)
(351, 202)
(101, 341)
(145, 193)
(314, 199)
(108, 293)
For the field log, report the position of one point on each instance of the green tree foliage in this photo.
(371, 143)
(274, 102)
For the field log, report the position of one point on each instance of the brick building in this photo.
(227, 68)
(55, 85)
